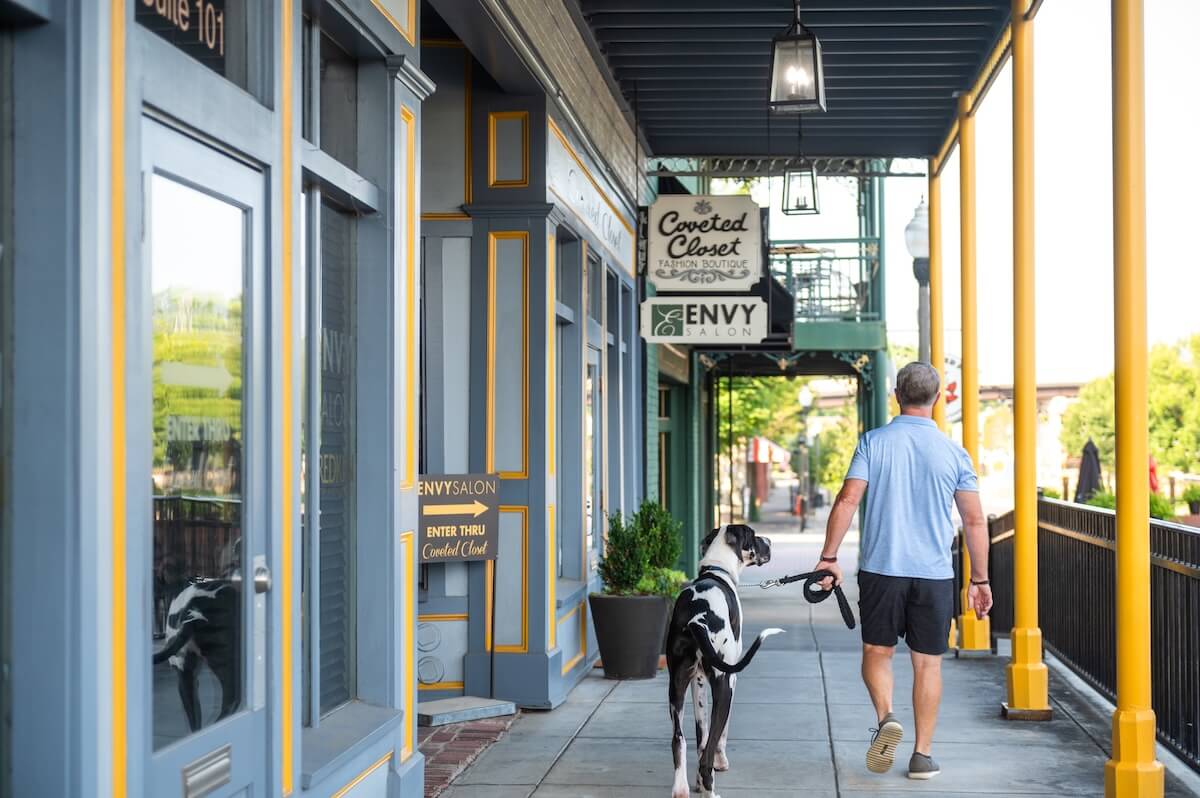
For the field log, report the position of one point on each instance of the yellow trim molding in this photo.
(551, 575)
(603, 195)
(120, 606)
(408, 680)
(448, 216)
(440, 686)
(493, 118)
(467, 139)
(409, 30)
(523, 646)
(442, 618)
(358, 779)
(567, 666)
(490, 464)
(489, 578)
(551, 358)
(585, 555)
(287, 454)
(410, 298)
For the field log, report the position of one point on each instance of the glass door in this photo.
(204, 254)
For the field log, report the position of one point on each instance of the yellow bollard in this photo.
(1133, 771)
(1028, 696)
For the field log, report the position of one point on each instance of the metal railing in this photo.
(831, 279)
(1077, 607)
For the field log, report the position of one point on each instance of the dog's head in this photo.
(747, 547)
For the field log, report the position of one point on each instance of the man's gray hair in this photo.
(917, 385)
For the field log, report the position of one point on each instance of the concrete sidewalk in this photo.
(801, 720)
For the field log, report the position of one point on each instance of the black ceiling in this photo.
(697, 71)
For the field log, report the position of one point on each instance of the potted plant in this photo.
(1191, 495)
(640, 583)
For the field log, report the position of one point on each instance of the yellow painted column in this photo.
(937, 348)
(976, 633)
(1133, 771)
(1027, 688)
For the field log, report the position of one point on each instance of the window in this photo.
(568, 351)
(223, 35)
(338, 102)
(197, 276)
(336, 465)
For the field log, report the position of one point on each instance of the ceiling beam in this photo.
(819, 22)
(976, 37)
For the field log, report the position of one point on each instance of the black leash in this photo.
(819, 594)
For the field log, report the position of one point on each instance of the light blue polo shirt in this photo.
(912, 472)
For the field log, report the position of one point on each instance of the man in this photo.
(906, 578)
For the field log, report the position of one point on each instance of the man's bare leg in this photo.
(927, 695)
(877, 674)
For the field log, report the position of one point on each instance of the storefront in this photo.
(215, 366)
(531, 371)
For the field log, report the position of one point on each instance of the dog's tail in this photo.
(715, 660)
(174, 645)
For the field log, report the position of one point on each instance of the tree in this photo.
(1173, 417)
(836, 446)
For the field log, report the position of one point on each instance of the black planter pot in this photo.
(1194, 508)
(630, 631)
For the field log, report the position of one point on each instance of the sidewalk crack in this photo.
(837, 788)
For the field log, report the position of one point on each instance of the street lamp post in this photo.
(916, 237)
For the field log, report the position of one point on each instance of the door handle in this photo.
(262, 579)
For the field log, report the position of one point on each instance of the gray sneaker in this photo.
(922, 767)
(882, 753)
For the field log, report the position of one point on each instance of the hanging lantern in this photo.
(797, 76)
(800, 189)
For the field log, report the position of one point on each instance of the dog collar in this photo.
(704, 569)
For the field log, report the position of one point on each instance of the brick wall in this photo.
(553, 33)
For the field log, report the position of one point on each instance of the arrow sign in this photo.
(475, 509)
(190, 375)
(460, 517)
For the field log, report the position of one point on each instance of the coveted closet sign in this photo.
(704, 243)
(704, 320)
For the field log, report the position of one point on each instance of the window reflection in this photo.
(197, 253)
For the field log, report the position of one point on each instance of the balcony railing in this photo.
(1077, 608)
(831, 279)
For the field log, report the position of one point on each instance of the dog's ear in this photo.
(739, 537)
(709, 538)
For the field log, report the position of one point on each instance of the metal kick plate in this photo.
(207, 773)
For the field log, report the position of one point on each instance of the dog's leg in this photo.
(698, 692)
(189, 691)
(678, 686)
(722, 696)
(721, 761)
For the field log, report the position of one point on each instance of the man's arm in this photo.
(840, 517)
(976, 533)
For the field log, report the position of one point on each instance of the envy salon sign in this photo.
(708, 320)
(704, 243)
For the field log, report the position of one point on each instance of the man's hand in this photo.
(980, 599)
(827, 583)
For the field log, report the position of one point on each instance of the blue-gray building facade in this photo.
(262, 266)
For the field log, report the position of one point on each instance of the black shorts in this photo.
(919, 610)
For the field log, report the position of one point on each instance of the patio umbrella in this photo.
(1089, 473)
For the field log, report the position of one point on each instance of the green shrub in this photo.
(641, 553)
(662, 533)
(662, 582)
(1050, 493)
(1191, 494)
(1161, 507)
(626, 556)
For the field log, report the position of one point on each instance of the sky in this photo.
(1073, 200)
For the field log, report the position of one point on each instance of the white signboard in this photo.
(573, 185)
(709, 320)
(704, 243)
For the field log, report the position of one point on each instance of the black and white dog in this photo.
(203, 627)
(705, 643)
